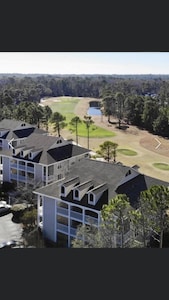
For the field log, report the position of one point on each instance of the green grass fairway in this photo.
(66, 106)
(161, 166)
(127, 152)
(94, 131)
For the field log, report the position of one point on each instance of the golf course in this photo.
(135, 146)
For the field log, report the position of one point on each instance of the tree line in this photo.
(146, 112)
(14, 89)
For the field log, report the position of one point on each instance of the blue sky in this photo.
(85, 62)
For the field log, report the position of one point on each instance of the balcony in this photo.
(14, 165)
(65, 229)
(22, 167)
(62, 211)
(30, 169)
(18, 178)
(77, 216)
(62, 228)
(50, 178)
(91, 220)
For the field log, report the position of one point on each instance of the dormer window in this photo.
(13, 151)
(91, 199)
(30, 155)
(21, 153)
(67, 186)
(76, 194)
(80, 190)
(62, 190)
(59, 141)
(128, 173)
(95, 194)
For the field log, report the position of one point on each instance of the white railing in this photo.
(91, 220)
(21, 167)
(62, 228)
(30, 169)
(73, 231)
(13, 165)
(65, 229)
(76, 215)
(62, 211)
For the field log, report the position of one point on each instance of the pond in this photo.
(94, 111)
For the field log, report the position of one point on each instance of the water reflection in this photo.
(94, 111)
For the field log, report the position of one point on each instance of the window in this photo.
(91, 198)
(21, 153)
(76, 194)
(13, 151)
(30, 165)
(128, 173)
(30, 155)
(62, 189)
(51, 170)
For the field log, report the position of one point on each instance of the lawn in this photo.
(161, 166)
(127, 152)
(66, 107)
(94, 131)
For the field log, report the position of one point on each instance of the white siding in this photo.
(49, 216)
(6, 169)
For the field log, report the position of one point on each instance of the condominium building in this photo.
(79, 196)
(31, 157)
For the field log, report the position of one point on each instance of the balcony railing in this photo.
(62, 228)
(50, 178)
(65, 229)
(14, 165)
(30, 169)
(77, 216)
(62, 211)
(91, 220)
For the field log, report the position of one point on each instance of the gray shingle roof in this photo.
(14, 130)
(50, 151)
(100, 172)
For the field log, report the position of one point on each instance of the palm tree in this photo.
(47, 113)
(88, 121)
(74, 122)
(58, 120)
